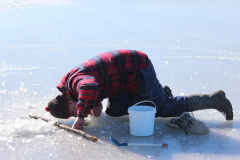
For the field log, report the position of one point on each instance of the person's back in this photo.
(113, 73)
(113, 62)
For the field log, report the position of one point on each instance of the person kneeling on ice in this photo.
(125, 77)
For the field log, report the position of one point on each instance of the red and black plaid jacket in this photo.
(107, 75)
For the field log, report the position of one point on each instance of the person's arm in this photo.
(88, 92)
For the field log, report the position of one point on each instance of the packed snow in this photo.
(194, 47)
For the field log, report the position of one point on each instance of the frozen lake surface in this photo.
(194, 46)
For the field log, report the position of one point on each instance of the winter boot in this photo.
(216, 100)
(167, 91)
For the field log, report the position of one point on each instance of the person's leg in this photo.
(118, 106)
(173, 107)
(216, 100)
(151, 89)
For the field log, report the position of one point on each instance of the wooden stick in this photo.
(63, 126)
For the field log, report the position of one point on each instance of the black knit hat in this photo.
(58, 107)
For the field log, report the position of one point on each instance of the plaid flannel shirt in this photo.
(107, 75)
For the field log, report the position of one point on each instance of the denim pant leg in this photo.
(173, 107)
(151, 89)
(118, 106)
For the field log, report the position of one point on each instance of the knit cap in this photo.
(58, 107)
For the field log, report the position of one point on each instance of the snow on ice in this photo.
(194, 46)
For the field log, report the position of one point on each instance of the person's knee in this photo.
(116, 113)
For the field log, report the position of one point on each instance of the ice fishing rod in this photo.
(137, 144)
(63, 126)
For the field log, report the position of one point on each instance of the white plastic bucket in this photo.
(141, 119)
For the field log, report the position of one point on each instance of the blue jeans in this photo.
(150, 89)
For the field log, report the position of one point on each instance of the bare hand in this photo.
(79, 123)
(97, 110)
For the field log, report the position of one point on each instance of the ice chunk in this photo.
(34, 93)
(22, 89)
(10, 139)
(3, 91)
(3, 84)
(17, 123)
(11, 148)
(40, 136)
(3, 138)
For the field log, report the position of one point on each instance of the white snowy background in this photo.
(193, 44)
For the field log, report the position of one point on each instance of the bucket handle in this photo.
(145, 101)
